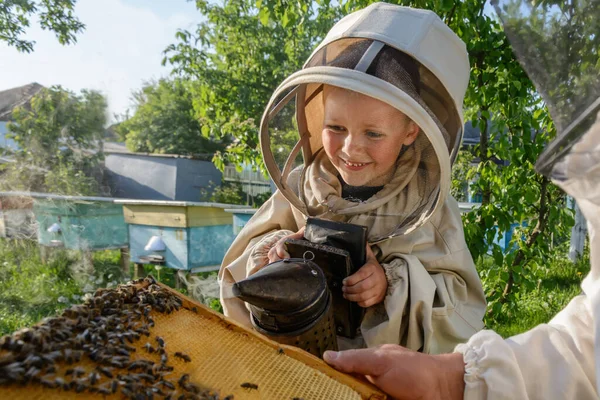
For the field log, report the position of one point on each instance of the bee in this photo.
(249, 386)
(167, 384)
(117, 364)
(280, 351)
(161, 341)
(106, 371)
(48, 383)
(76, 372)
(60, 382)
(103, 390)
(157, 390)
(183, 379)
(146, 377)
(32, 372)
(149, 348)
(122, 351)
(183, 356)
(33, 361)
(94, 377)
(139, 364)
(190, 387)
(80, 385)
(129, 348)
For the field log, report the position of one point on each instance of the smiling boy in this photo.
(379, 119)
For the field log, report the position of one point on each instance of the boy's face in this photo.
(363, 136)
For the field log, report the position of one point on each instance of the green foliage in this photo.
(215, 304)
(462, 172)
(227, 192)
(64, 178)
(164, 122)
(59, 139)
(53, 15)
(30, 290)
(245, 49)
(515, 126)
(237, 57)
(232, 193)
(261, 198)
(556, 282)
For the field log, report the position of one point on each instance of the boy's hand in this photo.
(368, 285)
(279, 251)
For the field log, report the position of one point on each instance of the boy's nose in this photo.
(351, 144)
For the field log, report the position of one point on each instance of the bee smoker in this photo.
(290, 303)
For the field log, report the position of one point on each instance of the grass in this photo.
(31, 290)
(556, 284)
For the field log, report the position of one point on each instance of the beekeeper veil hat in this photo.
(405, 57)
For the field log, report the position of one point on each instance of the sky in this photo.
(119, 50)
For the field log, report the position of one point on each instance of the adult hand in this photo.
(279, 251)
(368, 285)
(403, 373)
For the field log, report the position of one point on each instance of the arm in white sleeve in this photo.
(551, 361)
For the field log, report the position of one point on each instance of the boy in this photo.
(379, 115)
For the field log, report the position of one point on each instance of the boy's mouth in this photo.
(354, 166)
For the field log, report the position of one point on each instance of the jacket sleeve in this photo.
(425, 310)
(435, 299)
(551, 361)
(247, 253)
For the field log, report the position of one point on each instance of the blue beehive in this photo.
(240, 217)
(195, 235)
(77, 222)
(85, 223)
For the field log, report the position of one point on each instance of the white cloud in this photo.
(119, 50)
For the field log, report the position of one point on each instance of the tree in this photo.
(164, 122)
(237, 58)
(53, 15)
(62, 131)
(235, 80)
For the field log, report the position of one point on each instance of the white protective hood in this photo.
(443, 67)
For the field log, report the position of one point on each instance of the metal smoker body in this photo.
(290, 302)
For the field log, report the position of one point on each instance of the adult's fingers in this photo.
(359, 361)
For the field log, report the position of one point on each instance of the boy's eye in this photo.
(335, 128)
(374, 135)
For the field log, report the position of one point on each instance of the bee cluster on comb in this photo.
(103, 332)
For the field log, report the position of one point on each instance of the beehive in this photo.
(225, 359)
(86, 223)
(196, 234)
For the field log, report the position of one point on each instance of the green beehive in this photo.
(80, 223)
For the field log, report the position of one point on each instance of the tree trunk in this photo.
(538, 230)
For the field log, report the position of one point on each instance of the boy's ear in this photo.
(412, 131)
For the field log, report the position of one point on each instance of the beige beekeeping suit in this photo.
(434, 299)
